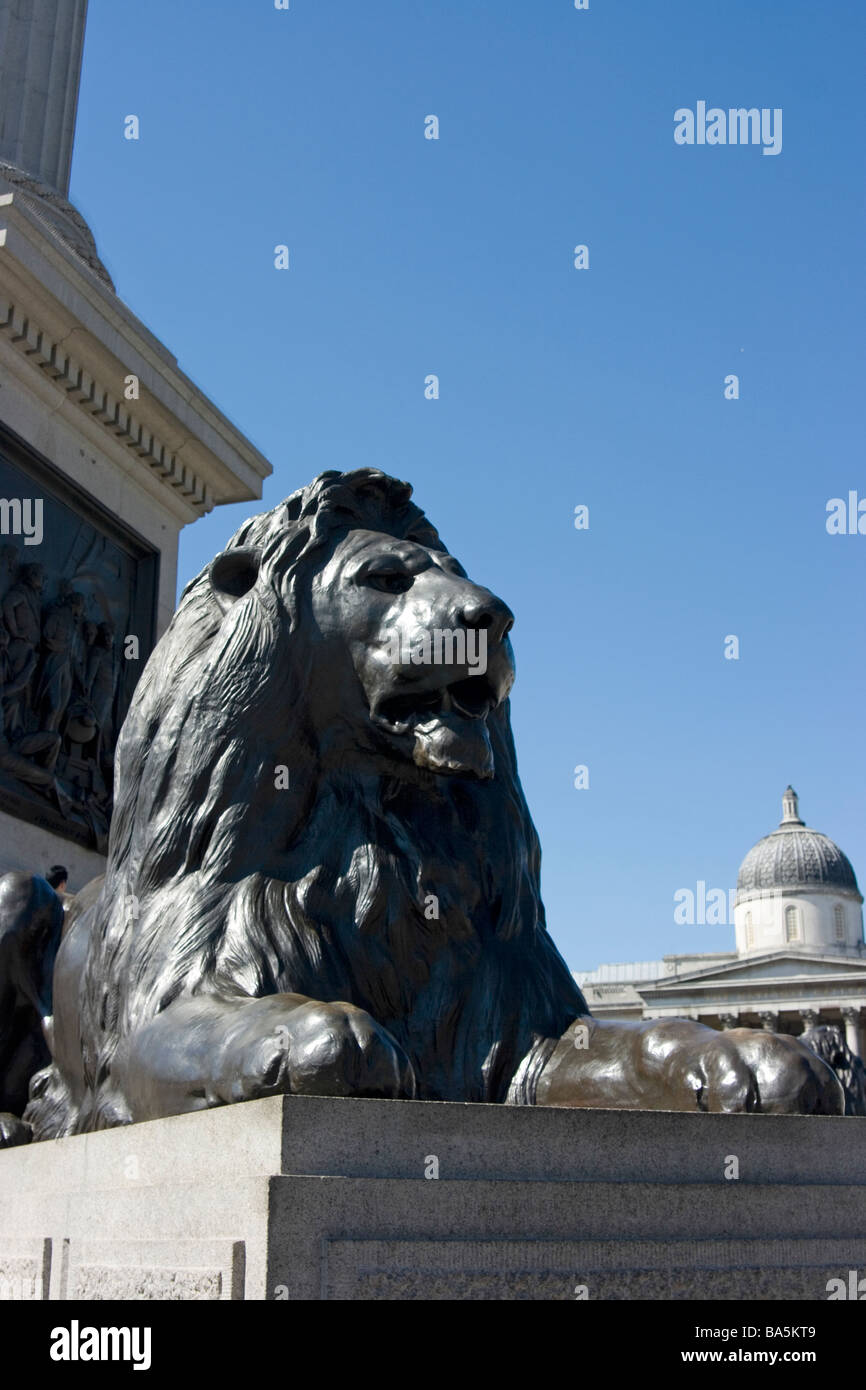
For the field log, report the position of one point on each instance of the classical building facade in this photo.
(800, 958)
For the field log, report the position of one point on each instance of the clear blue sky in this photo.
(558, 387)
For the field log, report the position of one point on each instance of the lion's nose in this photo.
(489, 612)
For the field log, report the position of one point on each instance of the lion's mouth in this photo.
(471, 698)
(448, 725)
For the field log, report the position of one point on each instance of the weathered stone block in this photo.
(317, 1198)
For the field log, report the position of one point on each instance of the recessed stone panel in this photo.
(77, 623)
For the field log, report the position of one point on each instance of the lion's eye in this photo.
(391, 581)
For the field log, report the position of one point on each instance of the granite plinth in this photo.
(319, 1198)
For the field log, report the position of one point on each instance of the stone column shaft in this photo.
(851, 1019)
(41, 44)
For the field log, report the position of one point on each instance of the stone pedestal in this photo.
(314, 1198)
(119, 450)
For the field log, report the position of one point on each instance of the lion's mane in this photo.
(216, 881)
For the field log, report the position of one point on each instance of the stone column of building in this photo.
(729, 1021)
(41, 44)
(851, 1019)
(769, 1020)
(809, 1018)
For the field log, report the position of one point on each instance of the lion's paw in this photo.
(320, 1050)
(742, 1069)
(13, 1131)
(790, 1078)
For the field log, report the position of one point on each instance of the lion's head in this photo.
(414, 651)
(302, 775)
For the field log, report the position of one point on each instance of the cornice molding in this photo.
(58, 315)
(94, 398)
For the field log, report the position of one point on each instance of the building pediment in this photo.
(776, 965)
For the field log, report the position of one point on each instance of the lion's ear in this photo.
(233, 573)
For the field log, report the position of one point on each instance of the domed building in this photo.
(800, 958)
(797, 889)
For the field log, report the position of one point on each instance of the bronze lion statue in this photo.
(31, 922)
(322, 873)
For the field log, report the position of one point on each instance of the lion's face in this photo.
(426, 650)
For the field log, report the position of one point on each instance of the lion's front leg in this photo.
(208, 1051)
(680, 1065)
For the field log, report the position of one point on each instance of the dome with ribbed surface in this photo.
(794, 856)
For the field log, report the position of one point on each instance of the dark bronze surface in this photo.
(828, 1042)
(31, 917)
(67, 602)
(322, 874)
